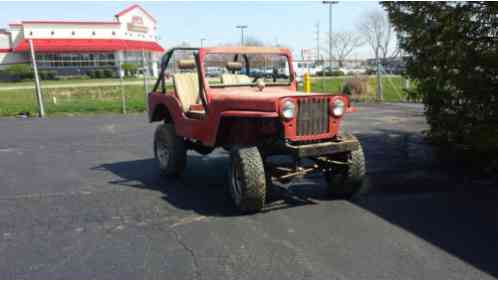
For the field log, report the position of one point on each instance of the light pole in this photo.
(202, 42)
(330, 3)
(241, 27)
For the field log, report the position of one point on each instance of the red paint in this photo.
(70, 22)
(244, 102)
(5, 50)
(135, 6)
(87, 45)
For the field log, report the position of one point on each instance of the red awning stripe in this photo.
(87, 45)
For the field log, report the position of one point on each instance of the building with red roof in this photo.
(75, 47)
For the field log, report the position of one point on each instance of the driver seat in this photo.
(186, 84)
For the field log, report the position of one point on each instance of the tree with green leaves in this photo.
(452, 50)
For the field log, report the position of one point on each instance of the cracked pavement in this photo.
(81, 197)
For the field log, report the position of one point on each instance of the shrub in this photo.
(453, 55)
(130, 69)
(48, 75)
(108, 73)
(356, 86)
(99, 74)
(336, 73)
(91, 74)
(20, 72)
(329, 73)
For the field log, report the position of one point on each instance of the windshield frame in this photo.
(244, 51)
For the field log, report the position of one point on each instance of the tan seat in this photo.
(234, 79)
(187, 89)
(187, 85)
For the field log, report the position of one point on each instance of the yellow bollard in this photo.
(307, 83)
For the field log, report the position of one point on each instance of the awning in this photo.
(87, 45)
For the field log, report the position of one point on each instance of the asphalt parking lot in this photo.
(81, 197)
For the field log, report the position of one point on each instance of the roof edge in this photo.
(135, 6)
(66, 22)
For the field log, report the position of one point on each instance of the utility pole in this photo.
(330, 3)
(145, 67)
(202, 42)
(39, 99)
(380, 96)
(317, 57)
(121, 86)
(241, 27)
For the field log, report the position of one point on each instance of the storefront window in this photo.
(75, 60)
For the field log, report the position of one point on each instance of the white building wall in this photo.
(4, 41)
(132, 25)
(7, 59)
(16, 34)
(129, 19)
(71, 31)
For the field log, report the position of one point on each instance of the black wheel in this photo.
(346, 181)
(247, 179)
(169, 150)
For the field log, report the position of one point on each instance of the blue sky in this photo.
(289, 23)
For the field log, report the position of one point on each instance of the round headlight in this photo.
(288, 109)
(338, 108)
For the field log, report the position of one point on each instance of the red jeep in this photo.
(245, 101)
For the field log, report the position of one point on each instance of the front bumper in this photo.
(343, 144)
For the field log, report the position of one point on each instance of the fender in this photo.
(171, 103)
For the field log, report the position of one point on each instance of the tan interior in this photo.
(234, 66)
(187, 84)
(234, 79)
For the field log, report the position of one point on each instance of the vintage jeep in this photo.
(249, 106)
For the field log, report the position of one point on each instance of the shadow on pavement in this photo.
(202, 187)
(436, 200)
(406, 186)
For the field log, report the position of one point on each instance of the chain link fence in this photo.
(76, 83)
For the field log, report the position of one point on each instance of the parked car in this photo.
(255, 119)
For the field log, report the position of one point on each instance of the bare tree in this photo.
(378, 32)
(253, 41)
(344, 44)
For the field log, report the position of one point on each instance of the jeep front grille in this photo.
(312, 116)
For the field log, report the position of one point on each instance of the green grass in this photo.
(73, 100)
(392, 86)
(100, 99)
(67, 82)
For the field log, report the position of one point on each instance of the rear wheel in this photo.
(169, 150)
(346, 181)
(247, 180)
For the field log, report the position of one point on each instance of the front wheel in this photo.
(247, 180)
(169, 150)
(346, 181)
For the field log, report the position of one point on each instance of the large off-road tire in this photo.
(347, 181)
(247, 180)
(169, 150)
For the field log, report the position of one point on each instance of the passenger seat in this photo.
(232, 78)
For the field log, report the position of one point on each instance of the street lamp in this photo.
(241, 27)
(330, 3)
(202, 42)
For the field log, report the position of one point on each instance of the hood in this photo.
(250, 98)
